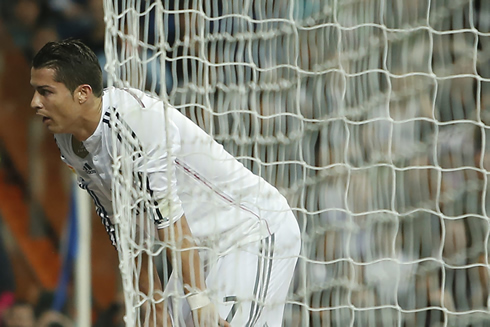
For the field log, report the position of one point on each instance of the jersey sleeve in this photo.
(155, 143)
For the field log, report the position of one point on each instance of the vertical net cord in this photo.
(354, 97)
(303, 225)
(438, 167)
(175, 258)
(110, 50)
(343, 95)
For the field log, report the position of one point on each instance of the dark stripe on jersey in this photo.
(118, 123)
(137, 150)
(262, 280)
(107, 121)
(99, 208)
(160, 218)
(102, 213)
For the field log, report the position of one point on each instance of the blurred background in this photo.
(37, 226)
(371, 116)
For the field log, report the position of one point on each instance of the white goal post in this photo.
(370, 116)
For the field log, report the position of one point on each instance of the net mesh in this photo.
(370, 116)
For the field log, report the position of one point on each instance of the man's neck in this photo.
(89, 120)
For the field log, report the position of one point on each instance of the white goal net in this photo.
(370, 116)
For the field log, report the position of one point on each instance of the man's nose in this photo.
(36, 102)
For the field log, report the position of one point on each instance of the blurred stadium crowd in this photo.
(380, 166)
(31, 24)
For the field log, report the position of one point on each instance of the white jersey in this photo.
(187, 172)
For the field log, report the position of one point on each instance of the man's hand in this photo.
(208, 317)
(185, 252)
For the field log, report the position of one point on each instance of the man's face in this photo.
(53, 101)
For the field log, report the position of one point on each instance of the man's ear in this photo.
(82, 93)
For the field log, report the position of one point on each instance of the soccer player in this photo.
(198, 195)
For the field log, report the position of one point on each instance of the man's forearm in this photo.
(185, 259)
(148, 286)
(185, 255)
(191, 268)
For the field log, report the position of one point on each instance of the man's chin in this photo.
(51, 128)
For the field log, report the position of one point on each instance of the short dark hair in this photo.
(74, 64)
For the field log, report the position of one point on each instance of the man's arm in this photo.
(185, 253)
(145, 285)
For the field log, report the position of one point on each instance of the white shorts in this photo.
(249, 285)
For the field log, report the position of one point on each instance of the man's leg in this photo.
(250, 285)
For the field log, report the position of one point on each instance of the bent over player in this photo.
(209, 198)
